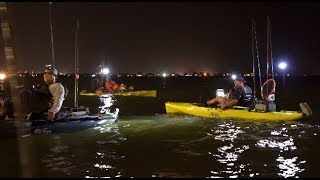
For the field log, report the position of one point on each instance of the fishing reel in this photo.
(271, 98)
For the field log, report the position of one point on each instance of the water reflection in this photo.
(282, 141)
(55, 160)
(172, 146)
(106, 156)
(107, 100)
(229, 153)
(289, 167)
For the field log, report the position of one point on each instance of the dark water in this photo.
(146, 142)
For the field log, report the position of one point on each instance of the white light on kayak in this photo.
(233, 77)
(220, 93)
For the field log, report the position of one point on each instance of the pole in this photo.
(51, 31)
(257, 49)
(283, 81)
(268, 51)
(76, 62)
(24, 143)
(253, 64)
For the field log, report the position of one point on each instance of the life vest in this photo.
(109, 85)
(115, 86)
(246, 97)
(44, 89)
(112, 85)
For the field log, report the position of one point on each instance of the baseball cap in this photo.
(240, 79)
(51, 70)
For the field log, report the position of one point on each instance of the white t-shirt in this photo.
(57, 91)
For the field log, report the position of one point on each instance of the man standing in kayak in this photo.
(236, 95)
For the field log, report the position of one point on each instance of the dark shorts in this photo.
(34, 101)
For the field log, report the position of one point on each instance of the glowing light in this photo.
(164, 74)
(2, 76)
(220, 93)
(233, 77)
(105, 71)
(283, 65)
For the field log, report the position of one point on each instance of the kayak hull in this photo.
(242, 113)
(71, 123)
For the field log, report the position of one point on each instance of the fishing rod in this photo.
(253, 59)
(76, 64)
(51, 32)
(257, 50)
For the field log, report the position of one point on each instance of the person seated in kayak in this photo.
(111, 86)
(239, 95)
(45, 98)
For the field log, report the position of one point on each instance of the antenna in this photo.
(270, 45)
(51, 30)
(253, 64)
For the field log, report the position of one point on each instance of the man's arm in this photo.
(57, 92)
(226, 96)
(225, 104)
(110, 90)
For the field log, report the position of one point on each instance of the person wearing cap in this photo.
(236, 96)
(44, 98)
(57, 91)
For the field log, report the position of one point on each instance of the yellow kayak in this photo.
(148, 93)
(238, 112)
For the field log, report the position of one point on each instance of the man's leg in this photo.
(33, 101)
(215, 100)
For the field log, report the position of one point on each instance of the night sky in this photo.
(167, 37)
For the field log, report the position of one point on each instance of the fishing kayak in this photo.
(71, 123)
(236, 112)
(146, 93)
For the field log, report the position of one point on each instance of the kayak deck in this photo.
(71, 123)
(242, 113)
(146, 93)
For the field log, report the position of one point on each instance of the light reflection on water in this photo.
(55, 160)
(178, 146)
(281, 140)
(229, 153)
